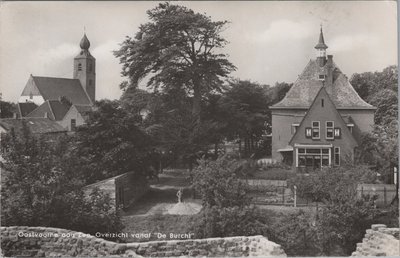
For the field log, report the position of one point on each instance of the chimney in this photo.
(46, 115)
(329, 74)
(321, 60)
(15, 115)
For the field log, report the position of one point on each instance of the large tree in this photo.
(112, 143)
(178, 48)
(244, 109)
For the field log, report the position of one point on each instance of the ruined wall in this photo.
(124, 189)
(379, 241)
(45, 242)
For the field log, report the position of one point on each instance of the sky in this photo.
(269, 41)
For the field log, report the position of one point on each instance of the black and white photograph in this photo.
(199, 129)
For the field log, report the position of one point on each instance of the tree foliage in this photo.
(245, 106)
(178, 48)
(42, 186)
(379, 89)
(111, 143)
(226, 207)
(7, 109)
(380, 149)
(345, 215)
(218, 184)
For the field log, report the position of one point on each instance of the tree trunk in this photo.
(196, 108)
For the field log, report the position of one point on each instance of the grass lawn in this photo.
(157, 223)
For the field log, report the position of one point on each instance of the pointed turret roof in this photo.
(321, 42)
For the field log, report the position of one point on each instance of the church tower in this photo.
(321, 49)
(85, 69)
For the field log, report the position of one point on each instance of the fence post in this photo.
(283, 195)
(362, 191)
(295, 196)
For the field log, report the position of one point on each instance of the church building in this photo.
(320, 120)
(64, 101)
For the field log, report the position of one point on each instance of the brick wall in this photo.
(26, 241)
(379, 241)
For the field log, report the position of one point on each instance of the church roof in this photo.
(25, 108)
(36, 125)
(307, 85)
(55, 110)
(53, 88)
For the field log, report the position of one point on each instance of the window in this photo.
(337, 133)
(325, 161)
(315, 130)
(31, 96)
(321, 77)
(337, 156)
(314, 158)
(294, 128)
(79, 67)
(329, 130)
(322, 102)
(73, 124)
(90, 67)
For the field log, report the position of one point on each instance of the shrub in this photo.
(296, 234)
(218, 184)
(226, 210)
(41, 187)
(228, 221)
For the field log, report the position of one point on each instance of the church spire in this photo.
(321, 42)
(321, 49)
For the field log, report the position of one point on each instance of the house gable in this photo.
(323, 110)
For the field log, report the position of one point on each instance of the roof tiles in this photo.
(306, 87)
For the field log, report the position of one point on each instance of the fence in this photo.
(385, 193)
(269, 191)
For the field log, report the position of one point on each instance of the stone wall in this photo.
(379, 241)
(124, 189)
(50, 242)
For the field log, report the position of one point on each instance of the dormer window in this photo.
(350, 127)
(321, 77)
(295, 126)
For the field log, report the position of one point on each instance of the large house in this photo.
(320, 120)
(64, 101)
